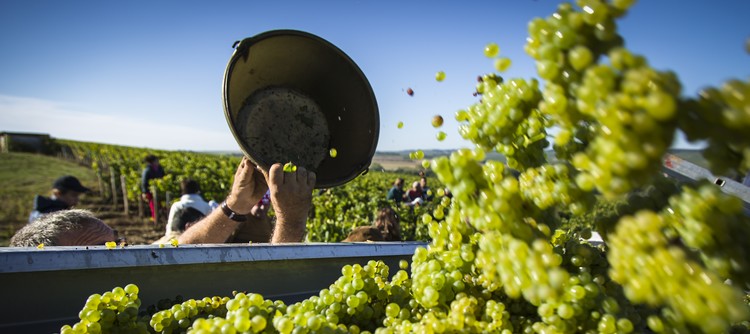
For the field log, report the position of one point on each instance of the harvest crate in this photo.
(44, 289)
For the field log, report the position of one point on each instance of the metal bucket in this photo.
(317, 75)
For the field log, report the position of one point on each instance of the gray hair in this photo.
(48, 227)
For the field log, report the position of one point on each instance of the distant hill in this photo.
(392, 160)
(232, 153)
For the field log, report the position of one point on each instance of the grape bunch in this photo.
(657, 272)
(720, 116)
(507, 120)
(115, 311)
(551, 185)
(180, 316)
(720, 243)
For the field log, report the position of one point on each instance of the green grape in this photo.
(289, 167)
(131, 289)
(580, 57)
(548, 70)
(491, 50)
(502, 64)
(440, 76)
(392, 310)
(258, 323)
(441, 136)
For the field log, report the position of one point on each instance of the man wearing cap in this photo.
(65, 193)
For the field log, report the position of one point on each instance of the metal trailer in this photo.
(686, 171)
(45, 289)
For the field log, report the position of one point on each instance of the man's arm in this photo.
(291, 196)
(247, 189)
(216, 228)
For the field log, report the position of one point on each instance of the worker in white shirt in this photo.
(189, 209)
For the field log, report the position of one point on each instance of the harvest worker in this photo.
(66, 191)
(386, 227)
(414, 195)
(396, 193)
(291, 197)
(426, 193)
(152, 171)
(189, 209)
(387, 222)
(364, 233)
(64, 228)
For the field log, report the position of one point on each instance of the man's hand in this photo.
(291, 196)
(248, 187)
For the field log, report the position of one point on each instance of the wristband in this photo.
(231, 214)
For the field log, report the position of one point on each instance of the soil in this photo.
(136, 230)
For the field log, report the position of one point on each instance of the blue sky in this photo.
(149, 73)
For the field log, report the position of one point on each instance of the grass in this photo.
(391, 163)
(24, 175)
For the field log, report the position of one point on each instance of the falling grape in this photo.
(110, 244)
(332, 152)
(410, 91)
(491, 50)
(441, 136)
(440, 76)
(502, 64)
(400, 125)
(437, 121)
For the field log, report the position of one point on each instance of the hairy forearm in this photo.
(288, 231)
(214, 228)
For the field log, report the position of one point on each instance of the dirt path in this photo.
(136, 230)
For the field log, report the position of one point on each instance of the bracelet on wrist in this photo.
(231, 214)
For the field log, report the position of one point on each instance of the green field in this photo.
(24, 175)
